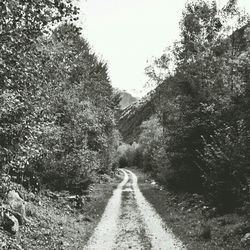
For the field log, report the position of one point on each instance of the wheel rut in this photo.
(130, 222)
(131, 229)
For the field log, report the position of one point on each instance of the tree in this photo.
(200, 104)
(57, 121)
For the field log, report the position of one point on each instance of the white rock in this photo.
(11, 223)
(246, 240)
(17, 204)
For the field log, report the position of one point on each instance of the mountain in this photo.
(132, 117)
(136, 113)
(126, 99)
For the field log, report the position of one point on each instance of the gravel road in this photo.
(130, 222)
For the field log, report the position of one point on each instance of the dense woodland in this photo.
(57, 125)
(197, 138)
(58, 109)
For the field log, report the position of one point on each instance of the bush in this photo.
(57, 122)
(128, 155)
(225, 162)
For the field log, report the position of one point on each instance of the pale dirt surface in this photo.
(131, 230)
(129, 222)
(160, 235)
(105, 233)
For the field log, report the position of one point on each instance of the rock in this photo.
(246, 240)
(72, 198)
(10, 223)
(17, 205)
(18, 216)
(153, 183)
(14, 200)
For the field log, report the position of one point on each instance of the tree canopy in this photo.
(57, 125)
(202, 105)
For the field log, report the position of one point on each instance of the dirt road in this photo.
(130, 222)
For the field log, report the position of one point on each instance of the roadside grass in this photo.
(56, 224)
(184, 215)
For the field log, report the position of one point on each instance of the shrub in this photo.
(225, 163)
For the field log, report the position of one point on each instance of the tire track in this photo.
(130, 222)
(161, 237)
(105, 233)
(131, 230)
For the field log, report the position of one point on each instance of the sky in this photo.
(128, 34)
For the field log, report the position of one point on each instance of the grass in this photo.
(55, 225)
(184, 215)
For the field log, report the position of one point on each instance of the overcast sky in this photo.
(127, 33)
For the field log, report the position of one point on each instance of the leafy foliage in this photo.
(202, 103)
(57, 107)
(225, 165)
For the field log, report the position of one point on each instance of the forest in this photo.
(192, 133)
(57, 116)
(60, 117)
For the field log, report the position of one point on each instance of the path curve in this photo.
(104, 235)
(130, 222)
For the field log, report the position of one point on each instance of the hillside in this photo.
(132, 117)
(126, 98)
(134, 113)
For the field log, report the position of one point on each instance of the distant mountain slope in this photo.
(126, 99)
(132, 117)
